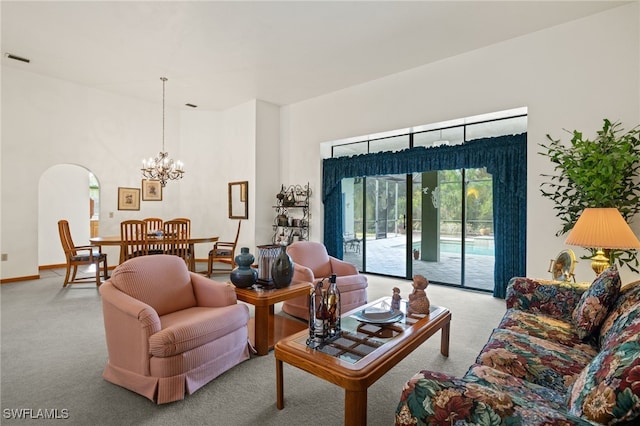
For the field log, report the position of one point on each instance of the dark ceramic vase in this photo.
(243, 276)
(282, 269)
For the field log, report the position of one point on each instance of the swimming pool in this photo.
(482, 248)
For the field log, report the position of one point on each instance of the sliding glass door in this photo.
(443, 230)
(436, 251)
(353, 204)
(479, 244)
(374, 223)
(386, 237)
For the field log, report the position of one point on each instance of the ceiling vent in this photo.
(17, 58)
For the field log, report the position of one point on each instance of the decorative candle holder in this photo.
(324, 313)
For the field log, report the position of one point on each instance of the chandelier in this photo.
(162, 168)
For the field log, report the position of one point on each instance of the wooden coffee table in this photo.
(362, 355)
(266, 328)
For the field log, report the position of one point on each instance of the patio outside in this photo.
(387, 256)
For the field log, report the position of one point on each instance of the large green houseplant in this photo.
(603, 172)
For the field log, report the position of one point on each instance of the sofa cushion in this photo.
(545, 327)
(627, 300)
(193, 327)
(607, 391)
(533, 359)
(595, 303)
(431, 398)
(541, 395)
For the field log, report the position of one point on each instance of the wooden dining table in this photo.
(116, 240)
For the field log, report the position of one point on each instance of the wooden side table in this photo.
(265, 329)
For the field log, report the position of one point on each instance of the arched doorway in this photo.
(65, 192)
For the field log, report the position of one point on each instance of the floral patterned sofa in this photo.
(561, 355)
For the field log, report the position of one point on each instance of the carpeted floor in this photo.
(53, 352)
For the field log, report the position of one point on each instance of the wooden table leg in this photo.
(279, 385)
(444, 339)
(262, 329)
(355, 408)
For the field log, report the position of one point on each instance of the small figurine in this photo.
(395, 299)
(418, 300)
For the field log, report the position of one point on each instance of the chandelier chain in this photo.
(162, 168)
(164, 79)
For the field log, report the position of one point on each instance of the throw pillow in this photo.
(594, 305)
(607, 391)
(628, 297)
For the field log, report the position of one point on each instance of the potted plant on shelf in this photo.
(603, 172)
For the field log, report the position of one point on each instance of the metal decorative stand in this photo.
(292, 218)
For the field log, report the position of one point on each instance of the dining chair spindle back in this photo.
(154, 225)
(176, 239)
(133, 234)
(185, 219)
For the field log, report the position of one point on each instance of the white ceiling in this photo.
(221, 54)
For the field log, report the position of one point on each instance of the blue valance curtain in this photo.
(505, 157)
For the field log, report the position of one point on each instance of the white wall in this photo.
(236, 159)
(571, 76)
(63, 193)
(267, 167)
(200, 195)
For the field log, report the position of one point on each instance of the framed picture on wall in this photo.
(151, 190)
(128, 198)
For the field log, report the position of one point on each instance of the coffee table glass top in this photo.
(360, 338)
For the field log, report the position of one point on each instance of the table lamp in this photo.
(602, 229)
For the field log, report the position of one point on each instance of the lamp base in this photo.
(599, 262)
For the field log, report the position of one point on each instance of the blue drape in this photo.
(505, 157)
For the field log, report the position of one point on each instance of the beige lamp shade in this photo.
(603, 228)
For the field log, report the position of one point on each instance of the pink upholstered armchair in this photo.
(312, 263)
(170, 331)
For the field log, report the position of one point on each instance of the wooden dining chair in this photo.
(192, 253)
(176, 239)
(185, 219)
(133, 234)
(80, 255)
(223, 252)
(154, 224)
